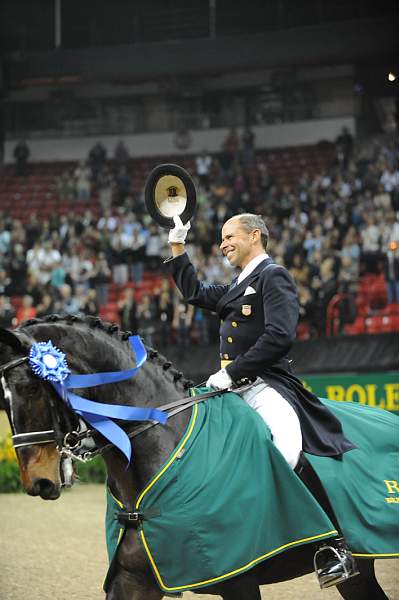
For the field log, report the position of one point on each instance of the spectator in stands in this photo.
(370, 236)
(182, 322)
(344, 146)
(66, 186)
(33, 230)
(34, 288)
(382, 199)
(200, 327)
(247, 147)
(82, 176)
(265, 180)
(5, 238)
(155, 241)
(17, 269)
(5, 282)
(390, 178)
(324, 288)
(120, 271)
(21, 155)
(100, 278)
(26, 311)
(121, 154)
(46, 306)
(122, 185)
(203, 164)
(105, 186)
(97, 159)
(137, 254)
(146, 317)
(300, 270)
(108, 222)
(7, 313)
(164, 310)
(58, 275)
(41, 259)
(391, 272)
(66, 304)
(127, 310)
(89, 304)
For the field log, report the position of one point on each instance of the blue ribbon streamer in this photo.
(99, 415)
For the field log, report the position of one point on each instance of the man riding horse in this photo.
(259, 314)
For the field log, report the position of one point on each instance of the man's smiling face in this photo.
(239, 246)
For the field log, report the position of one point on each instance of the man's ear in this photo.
(18, 341)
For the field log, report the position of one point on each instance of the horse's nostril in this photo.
(46, 489)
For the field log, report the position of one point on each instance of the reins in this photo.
(179, 405)
(69, 443)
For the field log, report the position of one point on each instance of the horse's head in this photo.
(30, 404)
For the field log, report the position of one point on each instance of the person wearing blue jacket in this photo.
(259, 314)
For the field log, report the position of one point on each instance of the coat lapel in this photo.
(236, 291)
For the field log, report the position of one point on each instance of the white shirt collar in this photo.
(251, 266)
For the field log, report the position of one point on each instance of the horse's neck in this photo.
(90, 350)
(152, 386)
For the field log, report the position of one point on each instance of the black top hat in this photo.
(169, 192)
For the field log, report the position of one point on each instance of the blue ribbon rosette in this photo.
(49, 363)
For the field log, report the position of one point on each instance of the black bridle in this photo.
(31, 438)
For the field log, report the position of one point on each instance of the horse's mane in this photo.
(99, 327)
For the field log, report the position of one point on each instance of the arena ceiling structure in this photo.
(72, 41)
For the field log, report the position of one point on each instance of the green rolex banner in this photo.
(228, 499)
(380, 390)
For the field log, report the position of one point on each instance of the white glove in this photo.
(178, 234)
(220, 380)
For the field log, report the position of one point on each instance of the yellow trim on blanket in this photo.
(252, 563)
(173, 457)
(394, 555)
(121, 529)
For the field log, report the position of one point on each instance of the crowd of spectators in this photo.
(328, 229)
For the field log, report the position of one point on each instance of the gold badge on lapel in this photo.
(246, 310)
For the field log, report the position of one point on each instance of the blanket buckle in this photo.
(130, 519)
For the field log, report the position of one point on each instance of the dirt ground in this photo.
(56, 551)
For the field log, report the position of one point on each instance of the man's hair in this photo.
(249, 222)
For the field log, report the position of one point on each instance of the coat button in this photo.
(234, 324)
(230, 340)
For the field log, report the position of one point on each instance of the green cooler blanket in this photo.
(226, 499)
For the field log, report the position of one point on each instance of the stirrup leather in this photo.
(343, 558)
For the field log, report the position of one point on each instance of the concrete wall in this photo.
(159, 144)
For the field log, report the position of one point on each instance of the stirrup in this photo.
(327, 580)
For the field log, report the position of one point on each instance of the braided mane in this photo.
(111, 329)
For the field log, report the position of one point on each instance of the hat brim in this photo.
(184, 210)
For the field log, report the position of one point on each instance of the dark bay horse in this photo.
(33, 405)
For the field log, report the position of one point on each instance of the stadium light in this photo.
(392, 76)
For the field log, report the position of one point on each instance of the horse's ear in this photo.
(16, 340)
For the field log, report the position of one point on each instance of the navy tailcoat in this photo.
(258, 323)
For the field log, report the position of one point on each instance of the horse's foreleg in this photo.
(132, 586)
(364, 586)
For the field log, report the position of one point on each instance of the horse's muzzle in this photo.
(44, 488)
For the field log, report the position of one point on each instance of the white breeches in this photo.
(280, 417)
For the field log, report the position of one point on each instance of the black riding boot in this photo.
(333, 561)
